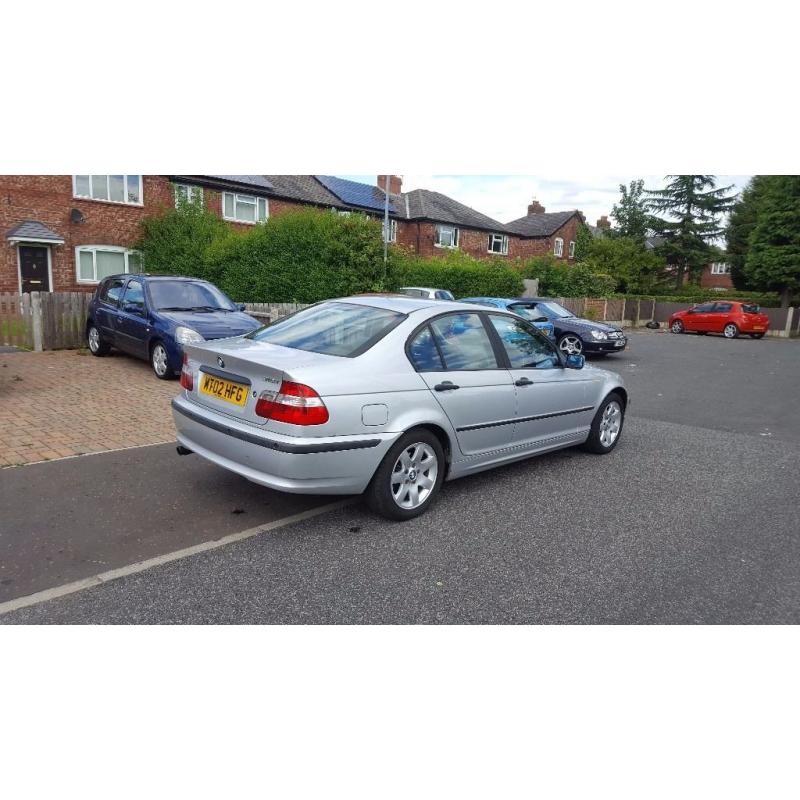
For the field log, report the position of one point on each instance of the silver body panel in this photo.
(372, 400)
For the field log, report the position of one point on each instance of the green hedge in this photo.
(559, 279)
(301, 257)
(461, 274)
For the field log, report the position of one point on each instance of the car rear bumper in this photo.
(307, 465)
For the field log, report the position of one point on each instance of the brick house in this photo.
(539, 233)
(65, 232)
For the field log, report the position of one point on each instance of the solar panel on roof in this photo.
(355, 194)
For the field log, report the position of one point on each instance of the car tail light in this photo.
(187, 379)
(294, 403)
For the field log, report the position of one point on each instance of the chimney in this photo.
(395, 183)
(603, 222)
(535, 207)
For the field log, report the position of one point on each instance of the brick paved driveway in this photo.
(66, 403)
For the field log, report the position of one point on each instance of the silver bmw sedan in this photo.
(389, 396)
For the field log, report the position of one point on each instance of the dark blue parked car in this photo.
(152, 317)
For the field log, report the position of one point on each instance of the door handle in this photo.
(523, 382)
(446, 386)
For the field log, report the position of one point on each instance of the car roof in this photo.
(403, 303)
(148, 277)
(423, 288)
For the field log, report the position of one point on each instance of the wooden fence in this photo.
(44, 320)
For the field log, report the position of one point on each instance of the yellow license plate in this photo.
(228, 391)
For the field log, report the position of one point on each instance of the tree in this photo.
(583, 241)
(692, 206)
(630, 213)
(178, 242)
(773, 255)
(634, 268)
(740, 225)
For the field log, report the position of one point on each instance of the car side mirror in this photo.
(540, 319)
(574, 361)
(241, 307)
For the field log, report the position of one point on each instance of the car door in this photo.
(551, 400)
(454, 355)
(133, 327)
(719, 316)
(699, 317)
(107, 307)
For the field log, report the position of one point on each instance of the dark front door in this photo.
(33, 269)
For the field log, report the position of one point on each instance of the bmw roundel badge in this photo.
(220, 362)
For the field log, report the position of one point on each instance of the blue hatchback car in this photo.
(153, 316)
(539, 320)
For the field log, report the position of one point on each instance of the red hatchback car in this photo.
(728, 317)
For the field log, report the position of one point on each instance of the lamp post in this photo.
(385, 223)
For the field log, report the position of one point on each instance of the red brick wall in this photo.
(420, 237)
(526, 248)
(48, 199)
(709, 281)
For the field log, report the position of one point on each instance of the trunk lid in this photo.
(258, 366)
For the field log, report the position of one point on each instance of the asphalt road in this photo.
(691, 519)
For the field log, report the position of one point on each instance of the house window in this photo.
(244, 208)
(572, 249)
(111, 188)
(97, 261)
(187, 194)
(392, 230)
(720, 269)
(498, 243)
(446, 236)
(558, 248)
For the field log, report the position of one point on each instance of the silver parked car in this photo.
(426, 292)
(389, 396)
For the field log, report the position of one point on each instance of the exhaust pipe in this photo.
(183, 451)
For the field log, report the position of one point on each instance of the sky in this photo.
(506, 197)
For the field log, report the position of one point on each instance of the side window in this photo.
(134, 295)
(423, 353)
(704, 308)
(463, 342)
(526, 349)
(112, 291)
(722, 308)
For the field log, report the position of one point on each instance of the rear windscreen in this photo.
(751, 308)
(334, 329)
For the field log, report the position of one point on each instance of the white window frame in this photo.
(437, 236)
(392, 230)
(558, 247)
(191, 192)
(93, 248)
(493, 239)
(720, 268)
(245, 198)
(108, 191)
(571, 250)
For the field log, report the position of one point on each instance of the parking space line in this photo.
(157, 561)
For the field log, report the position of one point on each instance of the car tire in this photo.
(730, 331)
(570, 344)
(756, 335)
(677, 327)
(95, 342)
(606, 425)
(159, 362)
(395, 489)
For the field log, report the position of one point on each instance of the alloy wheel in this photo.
(677, 326)
(414, 475)
(610, 423)
(730, 331)
(570, 345)
(160, 360)
(94, 339)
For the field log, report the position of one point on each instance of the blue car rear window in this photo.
(335, 329)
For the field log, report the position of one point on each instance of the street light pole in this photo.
(385, 223)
